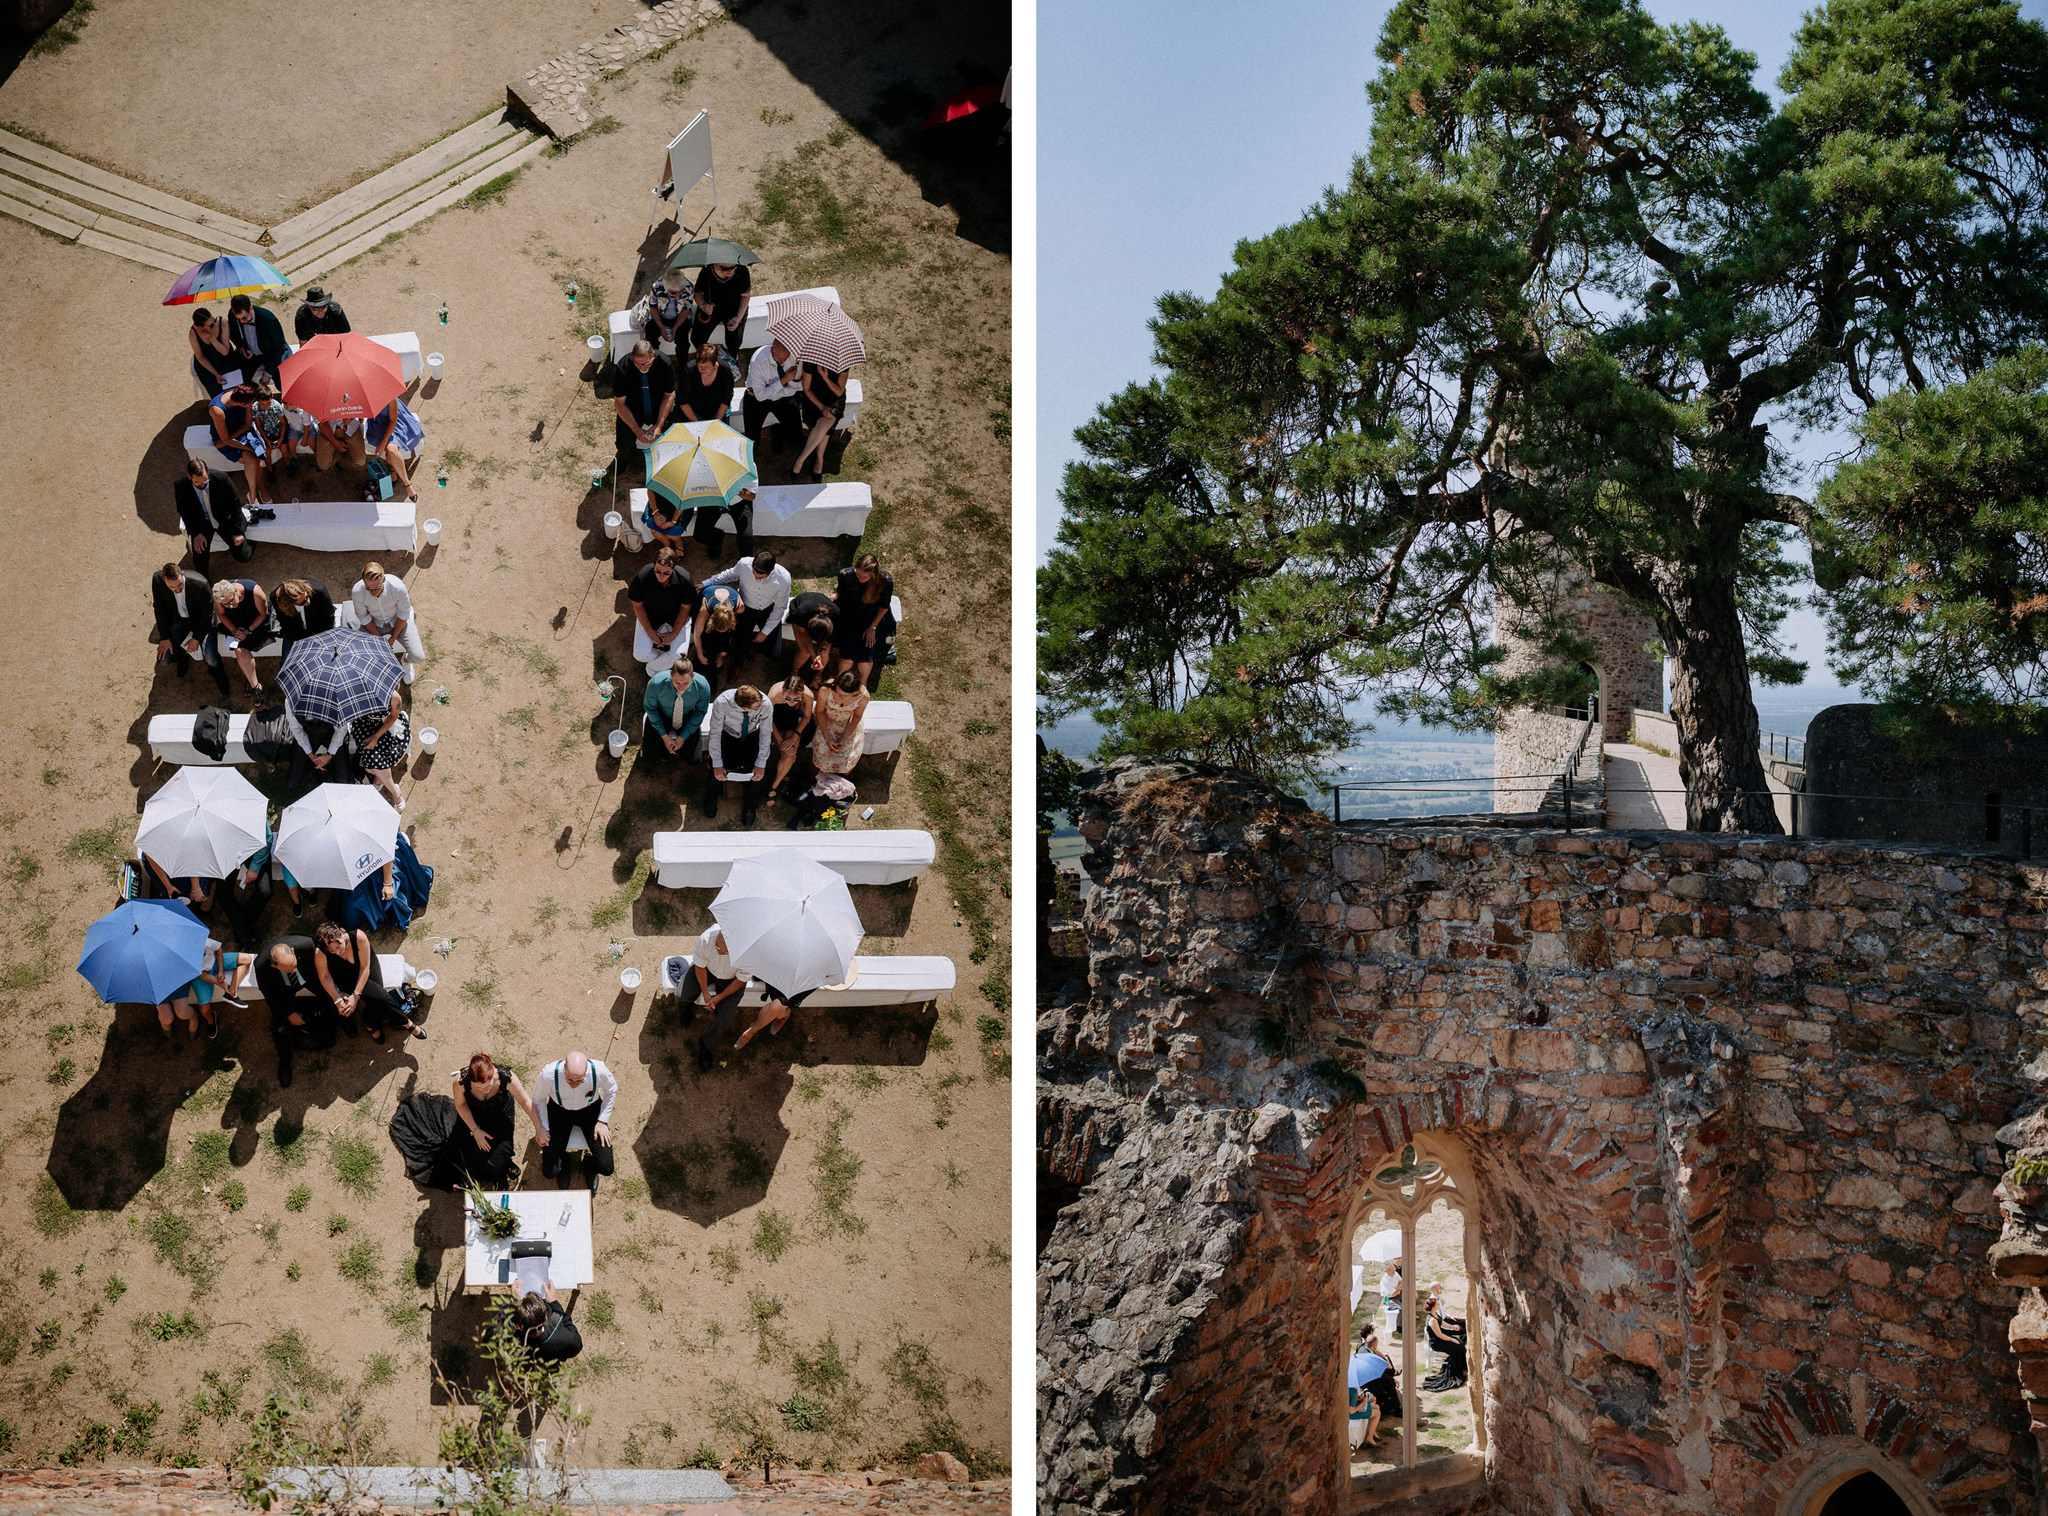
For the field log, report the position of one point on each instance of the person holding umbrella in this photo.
(821, 404)
(144, 952)
(828, 343)
(645, 393)
(790, 923)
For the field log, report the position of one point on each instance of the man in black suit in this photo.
(184, 622)
(207, 504)
(319, 314)
(300, 1015)
(258, 336)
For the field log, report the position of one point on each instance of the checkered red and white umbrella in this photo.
(817, 331)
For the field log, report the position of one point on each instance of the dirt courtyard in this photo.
(164, 92)
(805, 1252)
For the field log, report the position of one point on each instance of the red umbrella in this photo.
(966, 103)
(338, 376)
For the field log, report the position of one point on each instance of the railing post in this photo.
(1337, 804)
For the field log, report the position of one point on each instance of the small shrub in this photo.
(165, 1327)
(602, 1314)
(91, 1445)
(300, 1197)
(362, 1263)
(116, 1288)
(287, 1145)
(234, 1194)
(357, 1163)
(683, 77)
(991, 1029)
(48, 1280)
(705, 1457)
(293, 1272)
(63, 1072)
(138, 1426)
(48, 1334)
(773, 1236)
(51, 1212)
(800, 1413)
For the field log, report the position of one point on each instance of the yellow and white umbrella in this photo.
(700, 463)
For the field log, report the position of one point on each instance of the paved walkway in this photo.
(1633, 772)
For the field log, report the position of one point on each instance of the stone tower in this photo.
(1534, 742)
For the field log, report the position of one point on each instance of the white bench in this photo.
(786, 510)
(888, 722)
(392, 969)
(876, 981)
(701, 860)
(625, 333)
(405, 344)
(338, 526)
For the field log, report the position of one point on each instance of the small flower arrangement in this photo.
(498, 1222)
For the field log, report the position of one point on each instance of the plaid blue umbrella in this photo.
(339, 675)
(143, 951)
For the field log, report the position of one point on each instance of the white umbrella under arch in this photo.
(788, 920)
(338, 836)
(1381, 1247)
(203, 824)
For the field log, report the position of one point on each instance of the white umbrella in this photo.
(338, 836)
(787, 920)
(1378, 1248)
(202, 824)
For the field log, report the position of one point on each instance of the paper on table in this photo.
(785, 502)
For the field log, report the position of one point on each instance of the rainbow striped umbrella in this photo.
(701, 463)
(220, 278)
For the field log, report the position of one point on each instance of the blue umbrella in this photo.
(339, 675)
(143, 951)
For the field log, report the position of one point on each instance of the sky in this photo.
(1171, 129)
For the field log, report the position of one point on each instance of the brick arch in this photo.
(1811, 1434)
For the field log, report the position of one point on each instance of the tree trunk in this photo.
(1726, 789)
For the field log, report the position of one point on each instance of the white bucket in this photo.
(434, 365)
(425, 981)
(629, 980)
(431, 527)
(614, 523)
(596, 346)
(617, 741)
(429, 739)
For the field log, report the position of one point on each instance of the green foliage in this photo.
(234, 1195)
(705, 1456)
(1584, 279)
(65, 30)
(833, 1174)
(166, 1327)
(601, 1312)
(109, 846)
(357, 1163)
(1938, 534)
(50, 1211)
(773, 1235)
(492, 1219)
(362, 1263)
(818, 203)
(116, 1287)
(492, 190)
(2030, 1170)
(336, 1224)
(300, 1197)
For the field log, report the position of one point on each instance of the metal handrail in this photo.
(1779, 745)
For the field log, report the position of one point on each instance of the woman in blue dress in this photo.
(392, 434)
(234, 433)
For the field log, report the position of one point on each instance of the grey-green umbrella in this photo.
(706, 251)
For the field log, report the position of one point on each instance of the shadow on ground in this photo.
(712, 1142)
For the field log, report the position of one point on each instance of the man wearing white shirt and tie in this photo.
(736, 736)
(576, 1092)
(773, 383)
(764, 595)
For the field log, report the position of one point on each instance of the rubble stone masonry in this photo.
(1737, 1112)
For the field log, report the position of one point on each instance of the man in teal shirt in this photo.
(675, 703)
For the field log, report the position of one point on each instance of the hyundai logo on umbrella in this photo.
(366, 862)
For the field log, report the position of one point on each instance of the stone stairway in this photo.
(93, 208)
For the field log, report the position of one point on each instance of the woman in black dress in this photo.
(804, 610)
(349, 976)
(213, 349)
(243, 611)
(789, 705)
(821, 404)
(480, 1147)
(866, 620)
(704, 389)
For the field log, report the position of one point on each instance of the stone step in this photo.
(35, 215)
(212, 222)
(438, 158)
(135, 252)
(112, 226)
(207, 239)
(318, 264)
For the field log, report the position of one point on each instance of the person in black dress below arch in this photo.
(480, 1148)
(352, 981)
(866, 618)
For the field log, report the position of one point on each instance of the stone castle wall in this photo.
(1630, 676)
(1735, 1109)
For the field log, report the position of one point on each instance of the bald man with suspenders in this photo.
(576, 1091)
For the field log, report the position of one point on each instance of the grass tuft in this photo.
(357, 1163)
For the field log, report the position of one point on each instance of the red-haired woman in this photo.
(480, 1147)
